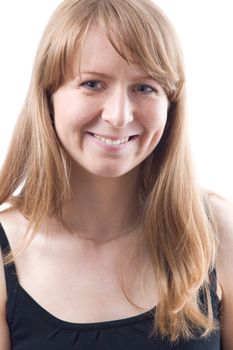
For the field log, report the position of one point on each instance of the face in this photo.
(111, 116)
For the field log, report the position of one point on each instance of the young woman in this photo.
(108, 241)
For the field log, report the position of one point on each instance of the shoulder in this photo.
(14, 225)
(223, 210)
(5, 337)
(8, 222)
(223, 214)
(6, 216)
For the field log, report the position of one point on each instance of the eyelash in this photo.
(152, 90)
(85, 85)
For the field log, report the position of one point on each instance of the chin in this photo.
(109, 172)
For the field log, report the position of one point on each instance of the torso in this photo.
(51, 270)
(59, 271)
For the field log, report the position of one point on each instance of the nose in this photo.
(118, 109)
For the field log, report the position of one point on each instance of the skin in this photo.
(104, 186)
(104, 180)
(115, 103)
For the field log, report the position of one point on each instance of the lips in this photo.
(112, 140)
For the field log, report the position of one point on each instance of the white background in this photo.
(205, 29)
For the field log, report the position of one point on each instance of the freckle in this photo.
(86, 94)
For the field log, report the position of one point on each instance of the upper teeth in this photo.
(111, 142)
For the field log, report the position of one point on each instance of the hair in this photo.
(180, 238)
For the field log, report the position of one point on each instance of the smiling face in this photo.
(111, 116)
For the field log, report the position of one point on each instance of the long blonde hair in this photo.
(178, 233)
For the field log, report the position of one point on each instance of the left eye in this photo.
(145, 89)
(92, 84)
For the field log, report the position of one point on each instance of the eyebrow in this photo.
(100, 74)
(110, 76)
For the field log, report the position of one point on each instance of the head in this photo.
(142, 37)
(144, 41)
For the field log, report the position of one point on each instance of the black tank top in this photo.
(33, 328)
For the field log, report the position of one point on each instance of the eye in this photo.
(145, 89)
(92, 85)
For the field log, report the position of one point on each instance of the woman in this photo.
(114, 243)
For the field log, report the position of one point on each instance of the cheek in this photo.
(155, 119)
(72, 112)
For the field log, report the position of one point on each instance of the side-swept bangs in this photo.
(139, 32)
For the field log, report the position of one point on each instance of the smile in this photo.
(109, 141)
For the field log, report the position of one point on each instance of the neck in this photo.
(103, 208)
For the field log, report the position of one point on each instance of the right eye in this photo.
(145, 89)
(92, 85)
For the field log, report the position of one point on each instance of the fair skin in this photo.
(224, 215)
(117, 104)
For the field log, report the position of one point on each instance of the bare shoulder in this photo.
(5, 337)
(4, 329)
(223, 212)
(14, 225)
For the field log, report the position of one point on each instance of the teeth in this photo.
(111, 142)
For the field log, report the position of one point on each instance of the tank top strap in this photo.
(213, 280)
(9, 269)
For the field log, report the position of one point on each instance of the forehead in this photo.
(97, 53)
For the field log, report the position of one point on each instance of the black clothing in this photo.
(34, 328)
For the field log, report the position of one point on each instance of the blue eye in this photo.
(92, 84)
(144, 89)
